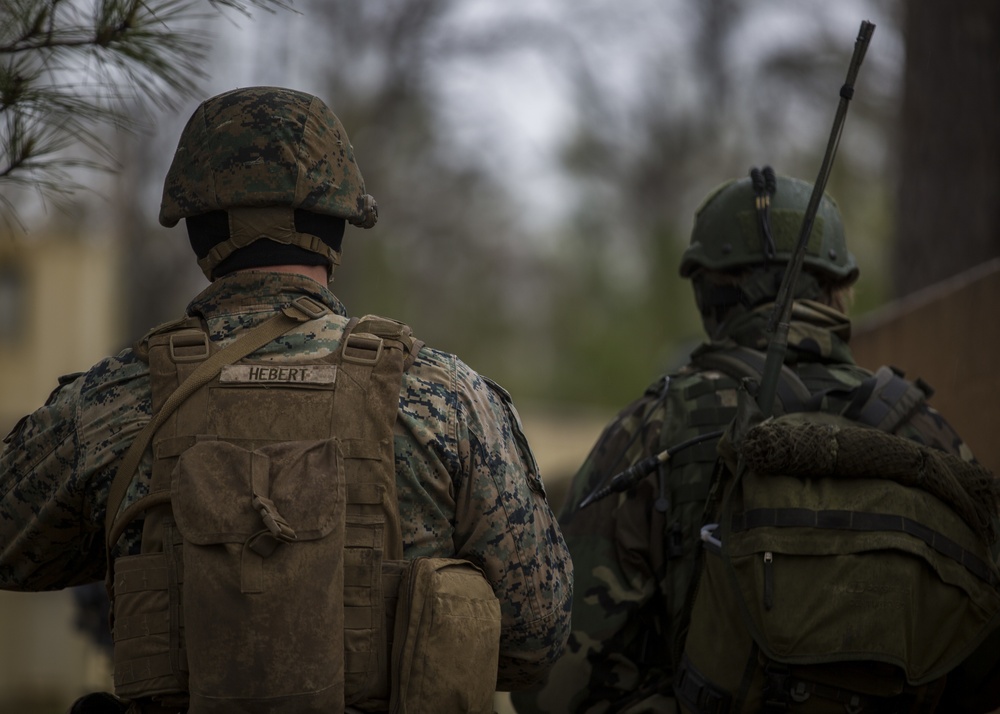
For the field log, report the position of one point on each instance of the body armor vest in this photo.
(271, 559)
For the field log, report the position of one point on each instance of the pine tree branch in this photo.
(72, 71)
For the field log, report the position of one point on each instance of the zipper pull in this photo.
(768, 580)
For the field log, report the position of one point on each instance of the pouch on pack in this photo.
(447, 626)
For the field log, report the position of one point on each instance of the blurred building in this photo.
(948, 335)
(59, 313)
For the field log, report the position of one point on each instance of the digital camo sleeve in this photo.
(47, 541)
(504, 523)
(55, 470)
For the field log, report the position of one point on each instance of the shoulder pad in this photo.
(141, 346)
(886, 400)
(389, 329)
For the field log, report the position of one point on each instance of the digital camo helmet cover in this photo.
(265, 147)
(727, 231)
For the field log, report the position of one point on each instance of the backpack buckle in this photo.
(799, 692)
(362, 349)
(776, 690)
(187, 339)
(307, 309)
(276, 524)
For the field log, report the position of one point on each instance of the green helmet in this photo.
(728, 232)
(266, 148)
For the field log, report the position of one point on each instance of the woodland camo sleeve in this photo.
(614, 656)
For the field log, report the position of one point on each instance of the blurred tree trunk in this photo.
(949, 189)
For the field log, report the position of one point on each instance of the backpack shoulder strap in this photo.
(141, 346)
(740, 362)
(391, 330)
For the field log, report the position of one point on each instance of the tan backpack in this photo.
(271, 576)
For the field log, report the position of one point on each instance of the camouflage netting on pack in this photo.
(816, 450)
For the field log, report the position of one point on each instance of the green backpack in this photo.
(846, 570)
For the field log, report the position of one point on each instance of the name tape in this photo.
(257, 374)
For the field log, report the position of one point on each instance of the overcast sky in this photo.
(523, 95)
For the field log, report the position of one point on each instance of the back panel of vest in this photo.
(279, 547)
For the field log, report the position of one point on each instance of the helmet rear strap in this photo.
(217, 235)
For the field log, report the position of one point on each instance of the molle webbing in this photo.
(306, 430)
(696, 692)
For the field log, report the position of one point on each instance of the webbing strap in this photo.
(775, 696)
(697, 692)
(142, 668)
(784, 690)
(865, 522)
(743, 362)
(373, 354)
(799, 690)
(251, 341)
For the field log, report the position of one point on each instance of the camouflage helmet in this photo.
(266, 148)
(727, 231)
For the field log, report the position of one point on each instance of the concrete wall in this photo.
(58, 314)
(949, 335)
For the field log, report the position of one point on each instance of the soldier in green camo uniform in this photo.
(633, 552)
(266, 180)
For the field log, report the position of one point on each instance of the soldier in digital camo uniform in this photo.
(254, 470)
(633, 552)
